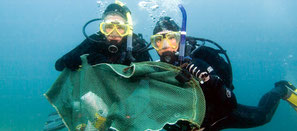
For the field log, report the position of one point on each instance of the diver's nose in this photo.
(165, 44)
(114, 33)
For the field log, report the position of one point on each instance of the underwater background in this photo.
(260, 37)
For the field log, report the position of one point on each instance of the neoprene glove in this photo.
(205, 74)
(200, 70)
(97, 58)
(180, 125)
(73, 63)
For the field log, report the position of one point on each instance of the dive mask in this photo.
(172, 40)
(108, 27)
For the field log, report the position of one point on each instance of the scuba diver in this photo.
(220, 100)
(108, 45)
(211, 70)
(111, 45)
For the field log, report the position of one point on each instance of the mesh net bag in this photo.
(142, 96)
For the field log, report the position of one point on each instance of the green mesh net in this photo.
(139, 97)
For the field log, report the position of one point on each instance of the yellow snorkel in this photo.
(130, 33)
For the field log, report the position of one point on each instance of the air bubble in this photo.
(155, 7)
(143, 4)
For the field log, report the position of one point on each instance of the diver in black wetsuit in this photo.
(108, 45)
(222, 109)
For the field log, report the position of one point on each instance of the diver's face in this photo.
(114, 35)
(168, 45)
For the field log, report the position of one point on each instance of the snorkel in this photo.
(130, 34)
(183, 34)
(184, 75)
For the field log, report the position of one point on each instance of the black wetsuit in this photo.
(98, 53)
(220, 101)
(252, 116)
(222, 110)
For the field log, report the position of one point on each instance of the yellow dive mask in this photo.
(108, 28)
(172, 40)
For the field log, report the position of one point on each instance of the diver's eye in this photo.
(120, 27)
(171, 37)
(108, 26)
(158, 39)
(158, 43)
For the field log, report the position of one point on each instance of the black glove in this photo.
(281, 88)
(199, 71)
(284, 84)
(72, 63)
(180, 125)
(96, 58)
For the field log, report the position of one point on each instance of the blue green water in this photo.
(259, 35)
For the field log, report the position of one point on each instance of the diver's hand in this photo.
(283, 84)
(283, 87)
(198, 72)
(96, 58)
(73, 63)
(180, 125)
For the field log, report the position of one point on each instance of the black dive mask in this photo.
(168, 57)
